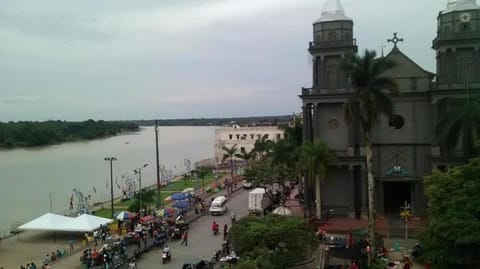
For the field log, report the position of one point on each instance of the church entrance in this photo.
(395, 194)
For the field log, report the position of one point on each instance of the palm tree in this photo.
(262, 146)
(317, 158)
(365, 106)
(246, 156)
(459, 121)
(229, 154)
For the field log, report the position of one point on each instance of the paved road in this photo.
(202, 243)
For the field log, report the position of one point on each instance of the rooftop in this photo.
(460, 5)
(333, 11)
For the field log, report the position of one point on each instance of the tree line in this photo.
(32, 134)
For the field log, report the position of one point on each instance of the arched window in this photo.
(465, 69)
(331, 76)
(465, 26)
(447, 29)
(332, 35)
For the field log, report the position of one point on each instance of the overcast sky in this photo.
(146, 59)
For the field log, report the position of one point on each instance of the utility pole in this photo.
(159, 202)
(139, 172)
(111, 159)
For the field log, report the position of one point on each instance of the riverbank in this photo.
(47, 176)
(32, 246)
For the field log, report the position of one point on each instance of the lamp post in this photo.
(157, 163)
(139, 172)
(111, 159)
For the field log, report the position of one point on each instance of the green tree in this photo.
(277, 240)
(459, 122)
(368, 102)
(262, 146)
(452, 236)
(317, 159)
(246, 156)
(202, 172)
(294, 133)
(229, 154)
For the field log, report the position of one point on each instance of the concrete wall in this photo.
(243, 137)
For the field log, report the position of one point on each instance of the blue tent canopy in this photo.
(181, 204)
(180, 196)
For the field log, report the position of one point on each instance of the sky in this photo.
(162, 59)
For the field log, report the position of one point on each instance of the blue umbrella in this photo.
(180, 196)
(181, 204)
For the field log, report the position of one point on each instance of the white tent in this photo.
(282, 211)
(85, 223)
(47, 222)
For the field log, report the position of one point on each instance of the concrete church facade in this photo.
(404, 147)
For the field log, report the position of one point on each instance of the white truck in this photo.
(259, 200)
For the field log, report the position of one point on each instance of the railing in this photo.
(332, 44)
(315, 91)
(455, 36)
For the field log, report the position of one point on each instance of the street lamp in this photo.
(139, 172)
(111, 159)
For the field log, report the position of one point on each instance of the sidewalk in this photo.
(32, 246)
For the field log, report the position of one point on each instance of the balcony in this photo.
(456, 36)
(332, 44)
(318, 91)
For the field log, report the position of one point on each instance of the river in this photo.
(39, 180)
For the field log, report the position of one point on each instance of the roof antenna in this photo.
(382, 47)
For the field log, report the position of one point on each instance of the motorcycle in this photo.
(215, 231)
(166, 254)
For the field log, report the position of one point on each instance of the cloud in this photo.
(114, 59)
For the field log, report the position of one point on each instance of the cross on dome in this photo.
(395, 40)
(333, 7)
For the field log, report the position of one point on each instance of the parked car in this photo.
(247, 184)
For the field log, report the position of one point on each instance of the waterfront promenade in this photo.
(32, 246)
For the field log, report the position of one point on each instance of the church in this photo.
(405, 147)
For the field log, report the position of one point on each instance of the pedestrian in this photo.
(95, 237)
(104, 236)
(225, 231)
(233, 217)
(86, 239)
(184, 238)
(70, 243)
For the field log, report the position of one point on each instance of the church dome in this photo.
(332, 11)
(460, 5)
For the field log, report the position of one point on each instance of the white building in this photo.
(243, 137)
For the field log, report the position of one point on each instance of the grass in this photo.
(172, 187)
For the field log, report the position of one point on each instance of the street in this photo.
(202, 244)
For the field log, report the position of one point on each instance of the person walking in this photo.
(225, 231)
(70, 244)
(184, 238)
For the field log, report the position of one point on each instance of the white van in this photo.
(218, 206)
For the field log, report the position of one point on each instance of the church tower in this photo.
(332, 39)
(323, 112)
(458, 46)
